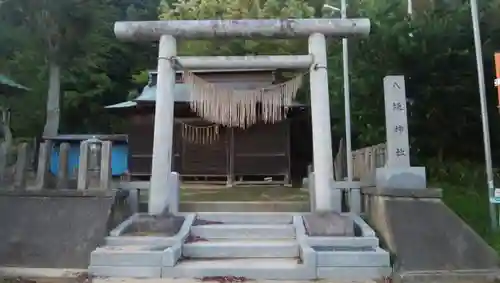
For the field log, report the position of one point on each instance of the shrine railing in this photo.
(365, 161)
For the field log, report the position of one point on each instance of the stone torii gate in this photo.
(327, 199)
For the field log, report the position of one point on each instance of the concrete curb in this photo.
(306, 253)
(356, 262)
(27, 272)
(351, 274)
(116, 239)
(119, 229)
(445, 276)
(146, 260)
(128, 256)
(268, 273)
(180, 238)
(367, 239)
(126, 271)
(366, 230)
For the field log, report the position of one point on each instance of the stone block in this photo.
(125, 271)
(366, 230)
(401, 178)
(173, 255)
(140, 241)
(241, 249)
(351, 274)
(300, 230)
(309, 260)
(328, 224)
(352, 257)
(358, 242)
(128, 256)
(175, 187)
(243, 231)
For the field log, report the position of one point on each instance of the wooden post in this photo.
(83, 167)
(62, 172)
(21, 166)
(105, 173)
(42, 174)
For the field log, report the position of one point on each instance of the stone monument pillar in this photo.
(398, 173)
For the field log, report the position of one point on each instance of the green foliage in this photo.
(96, 68)
(435, 52)
(465, 192)
(230, 9)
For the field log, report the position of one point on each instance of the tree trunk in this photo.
(53, 99)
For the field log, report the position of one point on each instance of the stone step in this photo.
(246, 217)
(241, 249)
(351, 257)
(247, 268)
(248, 231)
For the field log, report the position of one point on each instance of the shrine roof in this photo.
(181, 91)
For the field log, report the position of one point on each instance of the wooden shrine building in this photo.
(210, 152)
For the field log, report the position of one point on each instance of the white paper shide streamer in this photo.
(238, 108)
(200, 134)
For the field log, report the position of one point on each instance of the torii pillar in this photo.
(327, 198)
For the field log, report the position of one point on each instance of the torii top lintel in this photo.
(250, 28)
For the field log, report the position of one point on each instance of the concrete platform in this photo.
(53, 228)
(431, 243)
